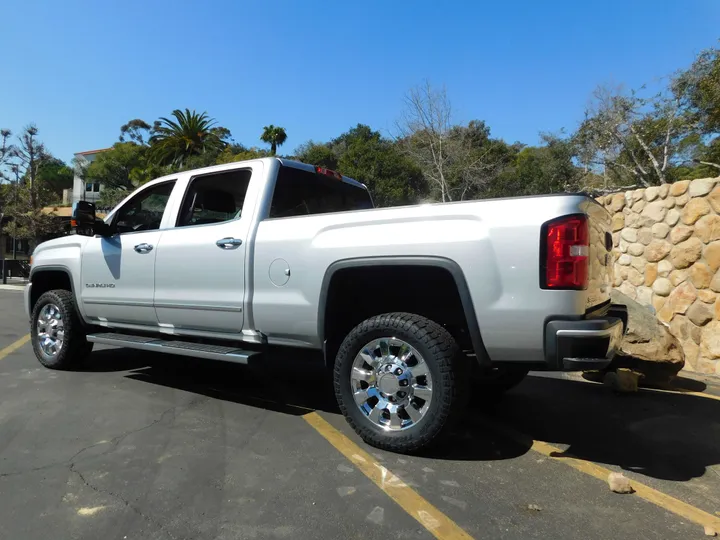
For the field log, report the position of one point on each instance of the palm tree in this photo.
(190, 134)
(274, 136)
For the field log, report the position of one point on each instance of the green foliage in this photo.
(54, 175)
(175, 142)
(274, 136)
(700, 85)
(317, 154)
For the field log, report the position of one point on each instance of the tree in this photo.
(318, 154)
(25, 205)
(632, 138)
(175, 142)
(458, 161)
(274, 136)
(54, 175)
(137, 131)
(700, 85)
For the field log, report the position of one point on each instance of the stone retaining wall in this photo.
(667, 242)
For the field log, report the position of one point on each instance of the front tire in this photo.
(58, 338)
(400, 381)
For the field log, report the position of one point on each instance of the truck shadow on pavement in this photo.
(670, 436)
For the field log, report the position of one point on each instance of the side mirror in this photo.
(83, 218)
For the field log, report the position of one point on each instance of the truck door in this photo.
(118, 272)
(200, 265)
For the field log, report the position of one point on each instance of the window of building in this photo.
(215, 198)
(301, 193)
(92, 187)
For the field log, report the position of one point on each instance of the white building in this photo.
(85, 191)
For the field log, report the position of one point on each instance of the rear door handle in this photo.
(228, 243)
(143, 248)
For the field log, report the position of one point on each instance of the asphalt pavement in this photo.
(141, 446)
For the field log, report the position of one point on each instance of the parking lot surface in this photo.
(136, 445)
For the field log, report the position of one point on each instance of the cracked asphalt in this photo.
(155, 447)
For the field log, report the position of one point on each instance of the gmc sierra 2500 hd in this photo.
(415, 308)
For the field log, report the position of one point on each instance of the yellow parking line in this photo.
(437, 523)
(14, 347)
(664, 501)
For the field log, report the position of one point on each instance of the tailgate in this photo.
(600, 278)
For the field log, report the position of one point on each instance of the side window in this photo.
(144, 212)
(214, 198)
(303, 193)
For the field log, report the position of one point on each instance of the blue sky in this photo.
(80, 69)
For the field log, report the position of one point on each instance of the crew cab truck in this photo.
(415, 309)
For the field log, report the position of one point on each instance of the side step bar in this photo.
(183, 348)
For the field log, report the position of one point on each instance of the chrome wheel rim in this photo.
(391, 384)
(50, 330)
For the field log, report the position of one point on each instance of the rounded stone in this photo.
(617, 202)
(616, 239)
(664, 268)
(632, 220)
(652, 193)
(639, 264)
(623, 246)
(707, 296)
(707, 228)
(618, 221)
(628, 290)
(701, 186)
(638, 194)
(654, 211)
(678, 188)
(672, 217)
(662, 287)
(622, 272)
(651, 273)
(660, 230)
(714, 199)
(617, 281)
(678, 276)
(657, 250)
(686, 253)
(635, 277)
(639, 206)
(710, 341)
(712, 255)
(701, 275)
(636, 249)
(682, 200)
(680, 233)
(664, 190)
(715, 282)
(658, 302)
(670, 202)
(645, 235)
(681, 298)
(644, 295)
(629, 234)
(694, 210)
(624, 259)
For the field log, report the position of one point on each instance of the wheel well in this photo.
(48, 280)
(357, 293)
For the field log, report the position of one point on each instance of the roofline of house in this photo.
(90, 152)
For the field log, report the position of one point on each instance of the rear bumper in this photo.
(576, 345)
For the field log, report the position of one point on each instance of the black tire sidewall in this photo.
(436, 416)
(71, 342)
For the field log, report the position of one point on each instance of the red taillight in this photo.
(328, 172)
(567, 245)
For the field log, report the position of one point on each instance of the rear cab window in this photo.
(300, 192)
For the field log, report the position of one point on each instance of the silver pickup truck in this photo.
(415, 309)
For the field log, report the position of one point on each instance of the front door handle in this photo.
(228, 243)
(143, 248)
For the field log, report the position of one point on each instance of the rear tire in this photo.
(400, 381)
(58, 338)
